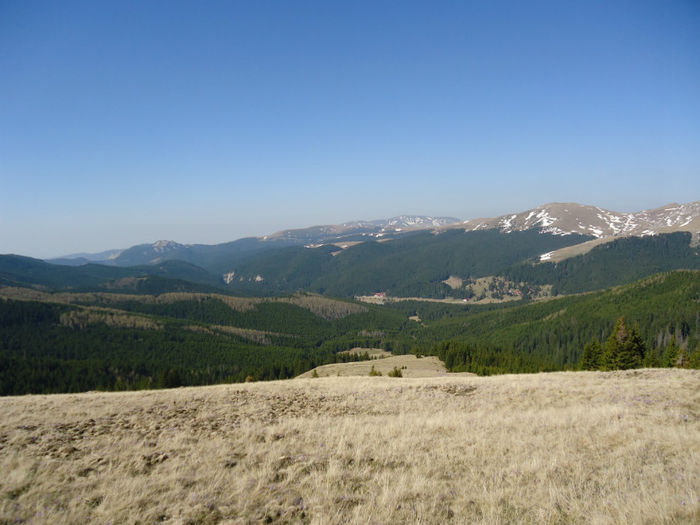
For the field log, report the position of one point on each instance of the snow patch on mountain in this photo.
(569, 218)
(165, 246)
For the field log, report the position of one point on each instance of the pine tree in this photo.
(652, 359)
(632, 351)
(671, 353)
(613, 344)
(694, 359)
(592, 356)
(624, 348)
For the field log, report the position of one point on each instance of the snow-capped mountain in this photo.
(555, 218)
(418, 221)
(375, 228)
(165, 246)
(567, 218)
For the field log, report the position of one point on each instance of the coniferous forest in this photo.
(80, 341)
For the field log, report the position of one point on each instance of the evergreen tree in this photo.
(671, 353)
(592, 356)
(652, 359)
(624, 348)
(171, 379)
(633, 351)
(694, 359)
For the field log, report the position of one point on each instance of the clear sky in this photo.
(124, 122)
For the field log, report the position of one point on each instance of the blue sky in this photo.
(128, 122)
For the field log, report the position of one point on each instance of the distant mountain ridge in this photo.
(568, 218)
(555, 218)
(357, 230)
(428, 263)
(219, 256)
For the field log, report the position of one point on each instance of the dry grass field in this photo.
(410, 366)
(619, 447)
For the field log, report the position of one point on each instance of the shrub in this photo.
(373, 372)
(314, 373)
(396, 372)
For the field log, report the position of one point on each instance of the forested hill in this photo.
(421, 264)
(413, 265)
(551, 335)
(70, 342)
(169, 276)
(620, 261)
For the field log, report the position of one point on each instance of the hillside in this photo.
(480, 266)
(550, 335)
(72, 342)
(415, 264)
(616, 262)
(582, 447)
(169, 276)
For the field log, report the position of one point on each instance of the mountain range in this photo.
(555, 218)
(567, 218)
(481, 295)
(401, 256)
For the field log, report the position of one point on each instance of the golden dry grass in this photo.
(372, 352)
(454, 282)
(410, 366)
(621, 447)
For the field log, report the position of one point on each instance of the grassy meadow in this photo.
(410, 366)
(576, 447)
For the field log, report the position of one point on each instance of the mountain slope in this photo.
(68, 342)
(417, 264)
(569, 218)
(553, 218)
(414, 264)
(619, 261)
(16, 270)
(604, 448)
(217, 257)
(551, 335)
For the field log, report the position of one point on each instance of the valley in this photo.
(78, 341)
(484, 297)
